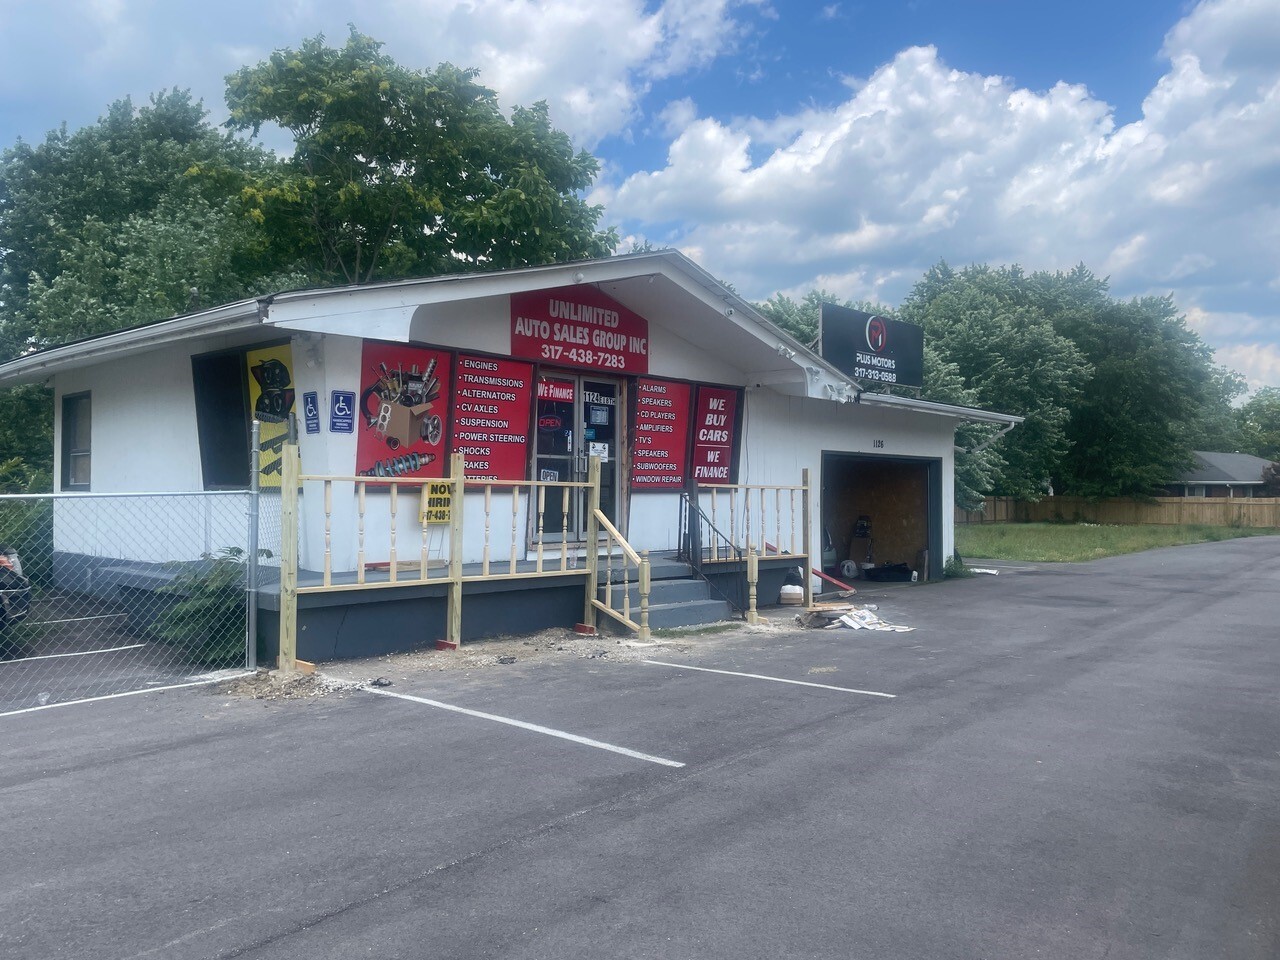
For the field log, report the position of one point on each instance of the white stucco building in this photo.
(644, 360)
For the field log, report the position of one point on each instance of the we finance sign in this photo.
(579, 327)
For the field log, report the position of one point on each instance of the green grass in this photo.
(1047, 542)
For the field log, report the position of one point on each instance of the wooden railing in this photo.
(499, 558)
(507, 506)
(771, 518)
(614, 544)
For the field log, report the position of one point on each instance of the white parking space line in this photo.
(103, 616)
(760, 676)
(535, 728)
(78, 653)
(127, 693)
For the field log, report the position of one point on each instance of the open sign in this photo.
(550, 422)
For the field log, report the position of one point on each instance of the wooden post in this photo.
(593, 536)
(807, 511)
(644, 596)
(753, 577)
(453, 633)
(290, 468)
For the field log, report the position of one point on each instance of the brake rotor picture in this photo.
(432, 429)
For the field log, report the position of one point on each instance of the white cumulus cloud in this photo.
(920, 161)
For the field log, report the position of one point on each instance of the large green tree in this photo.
(134, 218)
(398, 172)
(1008, 357)
(1154, 393)
(1259, 424)
(78, 212)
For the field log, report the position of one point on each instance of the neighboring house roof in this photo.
(387, 310)
(1237, 469)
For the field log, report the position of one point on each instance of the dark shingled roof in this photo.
(1234, 468)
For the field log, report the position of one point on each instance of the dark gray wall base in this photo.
(342, 626)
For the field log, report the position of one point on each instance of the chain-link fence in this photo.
(104, 594)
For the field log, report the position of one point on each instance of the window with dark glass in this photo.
(75, 442)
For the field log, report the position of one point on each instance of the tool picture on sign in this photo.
(399, 412)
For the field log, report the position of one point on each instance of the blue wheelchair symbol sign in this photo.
(311, 411)
(342, 411)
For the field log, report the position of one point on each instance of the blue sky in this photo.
(786, 145)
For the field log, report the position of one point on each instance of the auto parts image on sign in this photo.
(404, 394)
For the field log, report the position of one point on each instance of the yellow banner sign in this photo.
(271, 396)
(437, 505)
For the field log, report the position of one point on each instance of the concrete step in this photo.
(660, 568)
(661, 591)
(688, 614)
(691, 613)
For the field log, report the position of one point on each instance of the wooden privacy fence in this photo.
(1206, 511)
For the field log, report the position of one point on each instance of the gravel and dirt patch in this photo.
(273, 685)
(540, 649)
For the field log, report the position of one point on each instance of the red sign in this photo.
(491, 417)
(714, 427)
(401, 413)
(579, 327)
(561, 391)
(660, 454)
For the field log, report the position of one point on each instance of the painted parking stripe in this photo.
(535, 728)
(127, 693)
(103, 616)
(760, 676)
(78, 653)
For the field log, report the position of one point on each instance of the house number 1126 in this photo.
(877, 444)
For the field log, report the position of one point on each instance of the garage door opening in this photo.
(881, 516)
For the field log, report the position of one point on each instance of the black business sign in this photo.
(872, 348)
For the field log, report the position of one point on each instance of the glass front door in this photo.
(578, 417)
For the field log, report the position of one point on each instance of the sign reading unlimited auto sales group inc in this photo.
(579, 327)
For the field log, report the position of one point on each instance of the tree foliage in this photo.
(800, 318)
(1259, 424)
(114, 225)
(1006, 353)
(90, 222)
(398, 172)
(1154, 393)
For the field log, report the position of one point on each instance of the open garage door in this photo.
(882, 511)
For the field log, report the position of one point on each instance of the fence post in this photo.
(453, 632)
(808, 522)
(593, 538)
(290, 468)
(753, 577)
(251, 573)
(643, 583)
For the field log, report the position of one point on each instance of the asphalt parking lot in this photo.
(1075, 761)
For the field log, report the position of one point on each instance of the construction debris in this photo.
(829, 615)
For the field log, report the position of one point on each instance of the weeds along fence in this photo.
(110, 593)
(1205, 511)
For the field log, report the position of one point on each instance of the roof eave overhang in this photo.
(42, 364)
(967, 414)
